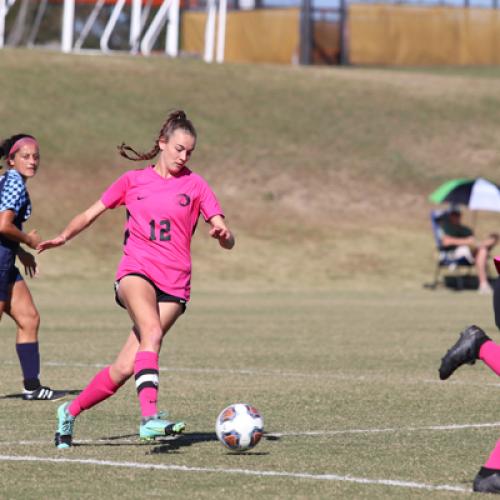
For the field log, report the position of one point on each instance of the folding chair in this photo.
(458, 270)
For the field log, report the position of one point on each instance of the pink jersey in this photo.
(161, 218)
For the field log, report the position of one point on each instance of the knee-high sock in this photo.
(101, 387)
(493, 461)
(146, 381)
(490, 354)
(29, 357)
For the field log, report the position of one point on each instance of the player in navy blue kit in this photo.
(22, 158)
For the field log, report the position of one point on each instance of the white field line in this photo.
(433, 428)
(450, 427)
(246, 472)
(279, 373)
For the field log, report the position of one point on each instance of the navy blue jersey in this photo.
(15, 197)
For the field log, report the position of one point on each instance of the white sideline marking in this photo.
(450, 427)
(247, 472)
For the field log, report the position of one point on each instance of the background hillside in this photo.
(323, 173)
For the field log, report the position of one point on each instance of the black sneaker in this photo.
(487, 481)
(43, 394)
(466, 350)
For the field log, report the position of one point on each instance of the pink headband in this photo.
(21, 142)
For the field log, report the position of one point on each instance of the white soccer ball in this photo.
(239, 427)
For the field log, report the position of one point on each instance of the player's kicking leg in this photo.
(65, 424)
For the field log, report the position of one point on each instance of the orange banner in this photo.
(263, 35)
(415, 35)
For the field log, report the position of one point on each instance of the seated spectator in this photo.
(459, 242)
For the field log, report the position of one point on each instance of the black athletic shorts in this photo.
(161, 296)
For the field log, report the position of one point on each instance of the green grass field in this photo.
(318, 316)
(347, 383)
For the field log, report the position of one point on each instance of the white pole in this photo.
(89, 23)
(145, 12)
(135, 26)
(155, 27)
(110, 26)
(40, 12)
(172, 37)
(5, 5)
(221, 31)
(68, 25)
(3, 13)
(208, 55)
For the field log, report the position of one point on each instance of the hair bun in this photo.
(179, 115)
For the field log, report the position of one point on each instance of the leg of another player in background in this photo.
(490, 351)
(496, 302)
(474, 344)
(481, 263)
(488, 477)
(21, 308)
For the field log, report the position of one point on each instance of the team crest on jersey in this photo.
(183, 199)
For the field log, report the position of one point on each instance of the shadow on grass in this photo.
(170, 444)
(182, 441)
(188, 439)
(124, 440)
(19, 395)
(271, 438)
(161, 445)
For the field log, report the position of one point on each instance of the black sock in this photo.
(486, 471)
(31, 384)
(29, 357)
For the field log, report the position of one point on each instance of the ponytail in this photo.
(176, 120)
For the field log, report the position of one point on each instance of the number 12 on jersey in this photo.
(160, 230)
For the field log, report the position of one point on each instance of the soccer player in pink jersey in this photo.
(163, 203)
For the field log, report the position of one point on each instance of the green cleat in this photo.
(156, 426)
(65, 423)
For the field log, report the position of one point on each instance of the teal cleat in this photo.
(156, 426)
(65, 423)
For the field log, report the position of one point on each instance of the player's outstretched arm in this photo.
(221, 232)
(75, 226)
